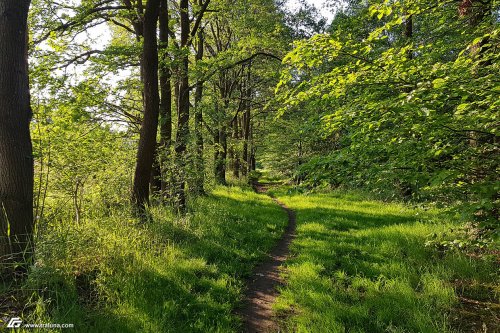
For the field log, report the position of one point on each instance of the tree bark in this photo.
(199, 178)
(220, 147)
(235, 155)
(246, 123)
(183, 107)
(166, 95)
(217, 152)
(252, 158)
(156, 177)
(222, 157)
(16, 155)
(409, 34)
(149, 128)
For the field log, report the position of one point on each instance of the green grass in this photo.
(361, 266)
(173, 275)
(357, 266)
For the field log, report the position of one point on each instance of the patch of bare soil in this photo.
(478, 310)
(262, 291)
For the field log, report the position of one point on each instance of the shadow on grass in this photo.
(363, 267)
(181, 275)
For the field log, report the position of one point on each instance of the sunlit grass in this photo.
(357, 266)
(173, 275)
(361, 266)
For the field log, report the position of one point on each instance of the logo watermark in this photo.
(17, 322)
(14, 322)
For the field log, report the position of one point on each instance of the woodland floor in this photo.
(322, 262)
(468, 315)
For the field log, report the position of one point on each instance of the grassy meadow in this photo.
(362, 266)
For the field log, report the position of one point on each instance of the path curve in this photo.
(262, 291)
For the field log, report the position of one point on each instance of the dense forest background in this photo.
(141, 110)
(397, 98)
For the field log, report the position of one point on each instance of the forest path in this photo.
(262, 287)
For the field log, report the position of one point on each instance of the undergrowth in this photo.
(112, 274)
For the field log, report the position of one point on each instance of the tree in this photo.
(183, 104)
(243, 43)
(149, 128)
(187, 35)
(165, 94)
(199, 178)
(410, 97)
(16, 159)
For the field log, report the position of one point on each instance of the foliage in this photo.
(82, 165)
(416, 115)
(253, 177)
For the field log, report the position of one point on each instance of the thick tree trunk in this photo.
(149, 128)
(16, 158)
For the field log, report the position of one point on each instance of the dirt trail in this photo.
(261, 290)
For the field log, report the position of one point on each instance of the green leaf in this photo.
(439, 83)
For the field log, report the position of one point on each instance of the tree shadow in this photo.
(358, 270)
(196, 290)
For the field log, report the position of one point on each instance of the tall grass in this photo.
(361, 266)
(112, 274)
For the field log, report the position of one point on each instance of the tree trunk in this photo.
(222, 160)
(156, 178)
(16, 155)
(183, 108)
(246, 123)
(409, 34)
(252, 159)
(230, 151)
(216, 138)
(220, 154)
(199, 178)
(246, 137)
(166, 96)
(236, 157)
(149, 128)
(474, 10)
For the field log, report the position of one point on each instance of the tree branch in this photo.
(240, 62)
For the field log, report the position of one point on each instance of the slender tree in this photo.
(198, 123)
(183, 104)
(187, 34)
(246, 122)
(165, 74)
(16, 160)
